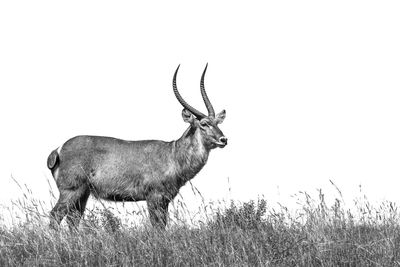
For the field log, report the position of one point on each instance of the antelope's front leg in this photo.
(157, 205)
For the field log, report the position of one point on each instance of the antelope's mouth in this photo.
(220, 144)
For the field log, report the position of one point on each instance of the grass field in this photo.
(241, 234)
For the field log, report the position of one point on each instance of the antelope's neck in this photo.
(190, 153)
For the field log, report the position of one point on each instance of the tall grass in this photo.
(241, 234)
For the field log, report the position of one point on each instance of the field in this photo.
(240, 234)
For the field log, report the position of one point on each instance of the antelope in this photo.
(148, 170)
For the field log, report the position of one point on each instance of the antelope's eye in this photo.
(203, 123)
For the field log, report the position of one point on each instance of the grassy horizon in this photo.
(241, 234)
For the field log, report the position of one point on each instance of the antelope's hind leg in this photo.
(72, 204)
(77, 209)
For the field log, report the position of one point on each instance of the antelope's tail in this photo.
(53, 160)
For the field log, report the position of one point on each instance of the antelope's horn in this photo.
(207, 101)
(194, 111)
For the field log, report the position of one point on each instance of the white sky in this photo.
(311, 89)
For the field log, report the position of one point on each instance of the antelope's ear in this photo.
(220, 117)
(187, 116)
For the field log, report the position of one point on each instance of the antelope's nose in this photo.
(223, 140)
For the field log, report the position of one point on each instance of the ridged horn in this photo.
(194, 111)
(211, 112)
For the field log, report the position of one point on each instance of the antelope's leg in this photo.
(157, 205)
(70, 202)
(77, 209)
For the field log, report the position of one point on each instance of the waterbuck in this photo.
(119, 170)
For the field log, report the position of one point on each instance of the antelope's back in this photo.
(100, 157)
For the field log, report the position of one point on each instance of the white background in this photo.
(311, 89)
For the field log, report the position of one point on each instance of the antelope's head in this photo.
(211, 135)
